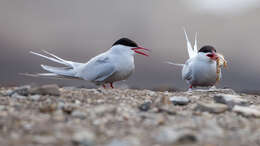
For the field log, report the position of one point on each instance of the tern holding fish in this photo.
(115, 64)
(203, 68)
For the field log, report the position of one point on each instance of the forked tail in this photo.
(67, 72)
(191, 51)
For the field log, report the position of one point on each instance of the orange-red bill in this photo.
(139, 52)
(213, 56)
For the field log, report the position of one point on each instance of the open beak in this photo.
(139, 52)
(213, 56)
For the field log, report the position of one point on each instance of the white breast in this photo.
(203, 73)
(124, 67)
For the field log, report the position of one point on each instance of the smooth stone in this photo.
(58, 116)
(211, 107)
(145, 106)
(230, 100)
(152, 93)
(52, 89)
(44, 139)
(171, 136)
(22, 90)
(2, 107)
(78, 114)
(60, 105)
(179, 100)
(17, 96)
(167, 109)
(101, 110)
(126, 141)
(8, 92)
(84, 138)
(49, 108)
(77, 102)
(116, 142)
(34, 97)
(246, 111)
(257, 107)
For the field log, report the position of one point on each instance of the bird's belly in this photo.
(122, 74)
(204, 75)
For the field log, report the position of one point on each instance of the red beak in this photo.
(139, 52)
(213, 56)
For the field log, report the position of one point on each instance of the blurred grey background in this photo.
(78, 30)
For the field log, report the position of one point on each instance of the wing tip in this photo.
(43, 66)
(185, 33)
(31, 52)
(175, 64)
(184, 29)
(28, 74)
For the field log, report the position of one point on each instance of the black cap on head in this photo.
(125, 42)
(208, 49)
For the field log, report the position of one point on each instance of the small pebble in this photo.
(211, 107)
(246, 111)
(34, 97)
(46, 90)
(84, 138)
(145, 106)
(230, 99)
(179, 100)
(78, 114)
(17, 96)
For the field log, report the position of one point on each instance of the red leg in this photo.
(111, 85)
(190, 88)
(104, 86)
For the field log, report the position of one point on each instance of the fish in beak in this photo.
(221, 60)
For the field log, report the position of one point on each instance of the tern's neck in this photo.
(204, 59)
(121, 50)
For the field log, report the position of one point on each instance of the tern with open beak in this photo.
(203, 68)
(115, 64)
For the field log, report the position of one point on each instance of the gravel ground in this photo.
(49, 115)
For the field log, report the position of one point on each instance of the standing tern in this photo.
(115, 64)
(203, 68)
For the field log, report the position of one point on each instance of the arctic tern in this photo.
(115, 64)
(203, 67)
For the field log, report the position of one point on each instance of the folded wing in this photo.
(98, 69)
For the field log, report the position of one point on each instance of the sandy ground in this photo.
(48, 116)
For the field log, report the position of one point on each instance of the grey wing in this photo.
(97, 70)
(187, 71)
